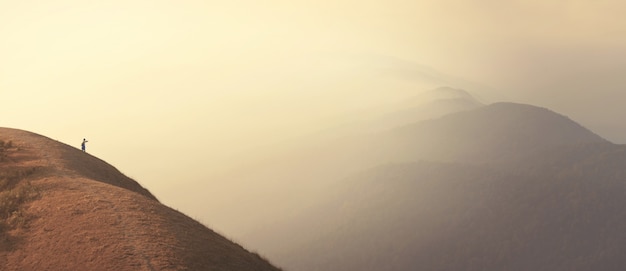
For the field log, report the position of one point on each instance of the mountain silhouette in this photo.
(502, 187)
(500, 132)
(63, 209)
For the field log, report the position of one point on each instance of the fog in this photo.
(175, 94)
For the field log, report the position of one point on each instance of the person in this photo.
(82, 146)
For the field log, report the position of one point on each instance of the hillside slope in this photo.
(63, 209)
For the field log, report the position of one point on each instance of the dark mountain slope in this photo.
(432, 216)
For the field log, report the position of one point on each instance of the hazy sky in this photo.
(169, 90)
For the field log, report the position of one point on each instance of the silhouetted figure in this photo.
(82, 146)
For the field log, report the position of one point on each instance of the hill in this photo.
(63, 209)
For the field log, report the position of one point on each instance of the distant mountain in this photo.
(435, 216)
(501, 187)
(495, 133)
(500, 132)
(63, 209)
(428, 105)
(442, 94)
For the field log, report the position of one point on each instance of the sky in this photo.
(171, 91)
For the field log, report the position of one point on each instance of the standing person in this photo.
(82, 146)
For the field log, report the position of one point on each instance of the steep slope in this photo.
(79, 213)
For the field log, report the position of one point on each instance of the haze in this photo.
(171, 92)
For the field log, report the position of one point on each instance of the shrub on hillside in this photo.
(4, 145)
(15, 190)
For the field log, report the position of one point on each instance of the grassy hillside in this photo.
(15, 191)
(63, 209)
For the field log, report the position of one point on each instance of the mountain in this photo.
(503, 133)
(497, 133)
(437, 216)
(63, 209)
(508, 134)
(501, 187)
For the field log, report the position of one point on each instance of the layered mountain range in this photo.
(503, 186)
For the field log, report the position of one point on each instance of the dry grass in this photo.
(15, 190)
(4, 145)
(63, 209)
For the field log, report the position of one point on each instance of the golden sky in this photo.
(169, 90)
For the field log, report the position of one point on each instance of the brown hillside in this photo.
(63, 209)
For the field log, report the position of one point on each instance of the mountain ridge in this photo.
(499, 132)
(64, 159)
(442, 93)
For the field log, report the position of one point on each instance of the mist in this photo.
(193, 98)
